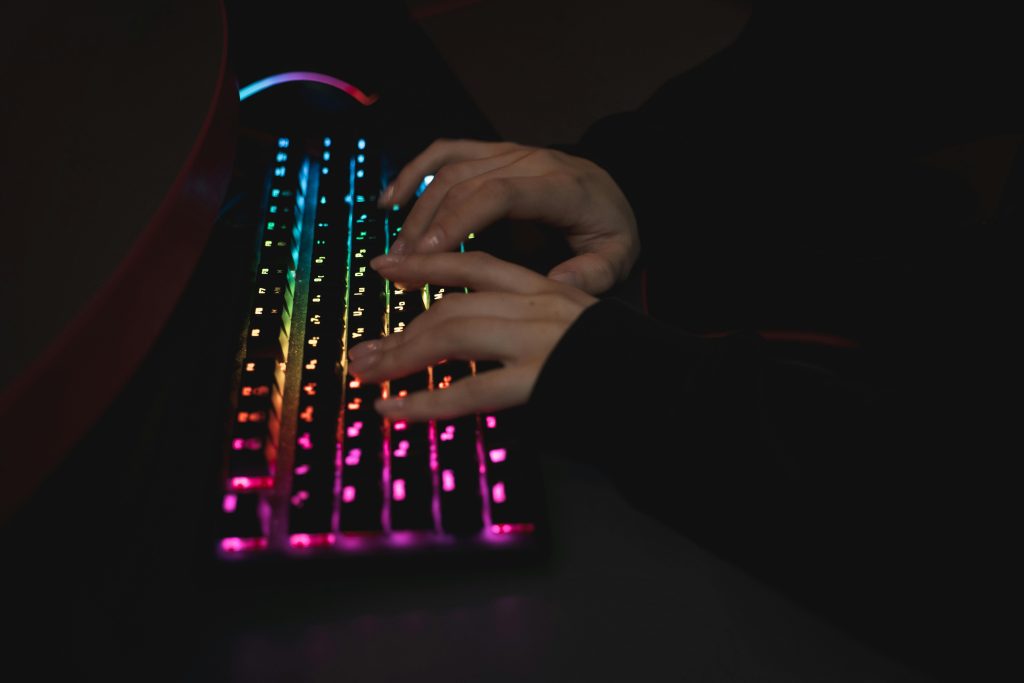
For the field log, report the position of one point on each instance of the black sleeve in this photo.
(792, 471)
(779, 186)
(796, 156)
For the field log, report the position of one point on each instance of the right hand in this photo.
(477, 183)
(512, 316)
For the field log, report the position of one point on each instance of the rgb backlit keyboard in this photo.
(309, 468)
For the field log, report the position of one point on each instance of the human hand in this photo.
(477, 183)
(513, 315)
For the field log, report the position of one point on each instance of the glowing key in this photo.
(361, 144)
(398, 489)
(448, 480)
(237, 545)
(230, 503)
(491, 421)
(498, 492)
(348, 494)
(401, 425)
(305, 441)
(248, 483)
(497, 454)
(353, 456)
(402, 449)
(310, 540)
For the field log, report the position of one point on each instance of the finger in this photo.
(515, 307)
(436, 155)
(447, 177)
(491, 390)
(476, 270)
(593, 271)
(552, 198)
(460, 339)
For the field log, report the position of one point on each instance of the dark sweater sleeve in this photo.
(714, 435)
(779, 186)
(786, 469)
(794, 156)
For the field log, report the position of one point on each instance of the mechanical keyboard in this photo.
(309, 469)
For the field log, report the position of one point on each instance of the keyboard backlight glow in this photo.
(497, 454)
(247, 483)
(447, 480)
(230, 503)
(448, 434)
(523, 527)
(305, 441)
(427, 179)
(402, 450)
(307, 76)
(348, 494)
(398, 489)
(498, 492)
(353, 456)
(401, 425)
(491, 421)
(234, 544)
(310, 540)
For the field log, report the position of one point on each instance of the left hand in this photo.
(513, 316)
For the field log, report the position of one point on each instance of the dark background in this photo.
(105, 564)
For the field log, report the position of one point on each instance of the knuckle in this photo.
(460, 192)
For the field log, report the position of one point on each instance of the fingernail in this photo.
(568, 277)
(386, 195)
(385, 260)
(431, 240)
(357, 366)
(360, 350)
(399, 247)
